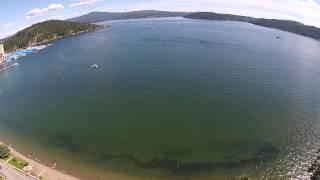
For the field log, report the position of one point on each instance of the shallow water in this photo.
(171, 98)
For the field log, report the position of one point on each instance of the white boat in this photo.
(15, 64)
(95, 66)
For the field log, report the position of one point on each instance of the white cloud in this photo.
(39, 12)
(84, 2)
(9, 24)
(5, 34)
(12, 29)
(59, 17)
(55, 7)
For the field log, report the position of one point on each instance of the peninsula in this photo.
(44, 32)
(285, 25)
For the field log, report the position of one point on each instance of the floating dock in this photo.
(24, 52)
(7, 60)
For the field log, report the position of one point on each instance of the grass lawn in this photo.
(2, 177)
(6, 159)
(18, 163)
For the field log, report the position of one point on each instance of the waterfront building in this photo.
(2, 54)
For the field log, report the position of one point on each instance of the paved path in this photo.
(9, 159)
(12, 174)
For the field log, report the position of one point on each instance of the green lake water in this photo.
(172, 98)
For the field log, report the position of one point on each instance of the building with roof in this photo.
(2, 54)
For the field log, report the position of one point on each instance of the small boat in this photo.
(278, 37)
(94, 66)
(15, 64)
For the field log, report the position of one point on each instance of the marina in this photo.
(9, 60)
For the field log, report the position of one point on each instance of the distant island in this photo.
(94, 17)
(44, 32)
(285, 25)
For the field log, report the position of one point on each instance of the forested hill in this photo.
(106, 16)
(285, 25)
(290, 26)
(44, 32)
(218, 17)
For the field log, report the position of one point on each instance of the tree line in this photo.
(45, 31)
(285, 25)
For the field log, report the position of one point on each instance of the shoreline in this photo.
(40, 169)
(60, 37)
(46, 43)
(38, 156)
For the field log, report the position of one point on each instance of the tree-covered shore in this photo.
(44, 32)
(285, 25)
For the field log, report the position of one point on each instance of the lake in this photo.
(172, 99)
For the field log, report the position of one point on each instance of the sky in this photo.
(19, 14)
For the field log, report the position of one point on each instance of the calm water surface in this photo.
(171, 98)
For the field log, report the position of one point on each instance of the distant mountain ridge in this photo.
(54, 29)
(218, 17)
(285, 25)
(95, 17)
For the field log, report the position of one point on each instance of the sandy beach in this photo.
(40, 169)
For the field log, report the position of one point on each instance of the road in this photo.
(12, 174)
